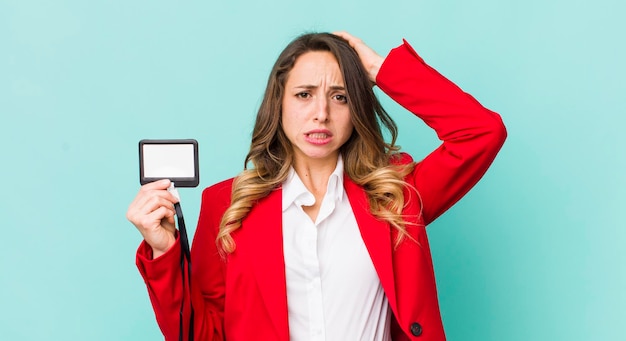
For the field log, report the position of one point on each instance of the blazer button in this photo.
(416, 329)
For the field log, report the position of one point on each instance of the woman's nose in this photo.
(322, 110)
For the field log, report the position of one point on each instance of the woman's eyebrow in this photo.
(311, 86)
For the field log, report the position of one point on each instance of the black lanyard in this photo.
(185, 258)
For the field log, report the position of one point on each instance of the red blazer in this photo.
(245, 297)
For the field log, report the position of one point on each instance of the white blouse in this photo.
(333, 291)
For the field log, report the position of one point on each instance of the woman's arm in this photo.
(471, 134)
(163, 277)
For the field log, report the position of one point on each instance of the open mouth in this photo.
(318, 136)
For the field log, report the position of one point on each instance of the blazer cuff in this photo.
(398, 58)
(161, 267)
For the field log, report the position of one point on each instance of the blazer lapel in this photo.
(376, 235)
(265, 241)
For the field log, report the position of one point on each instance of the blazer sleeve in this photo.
(471, 134)
(163, 276)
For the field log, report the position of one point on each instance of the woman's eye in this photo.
(303, 95)
(341, 98)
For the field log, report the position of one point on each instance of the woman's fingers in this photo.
(152, 212)
(369, 58)
(150, 197)
(159, 184)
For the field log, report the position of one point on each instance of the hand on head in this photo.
(369, 58)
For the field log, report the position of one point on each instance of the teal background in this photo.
(534, 252)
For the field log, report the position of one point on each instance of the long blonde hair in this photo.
(367, 157)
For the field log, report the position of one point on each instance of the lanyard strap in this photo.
(185, 261)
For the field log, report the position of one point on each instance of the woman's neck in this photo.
(314, 175)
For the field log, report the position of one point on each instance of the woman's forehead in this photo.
(316, 68)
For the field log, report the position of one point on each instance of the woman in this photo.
(323, 237)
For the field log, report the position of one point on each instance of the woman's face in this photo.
(316, 116)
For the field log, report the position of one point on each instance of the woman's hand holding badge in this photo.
(152, 212)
